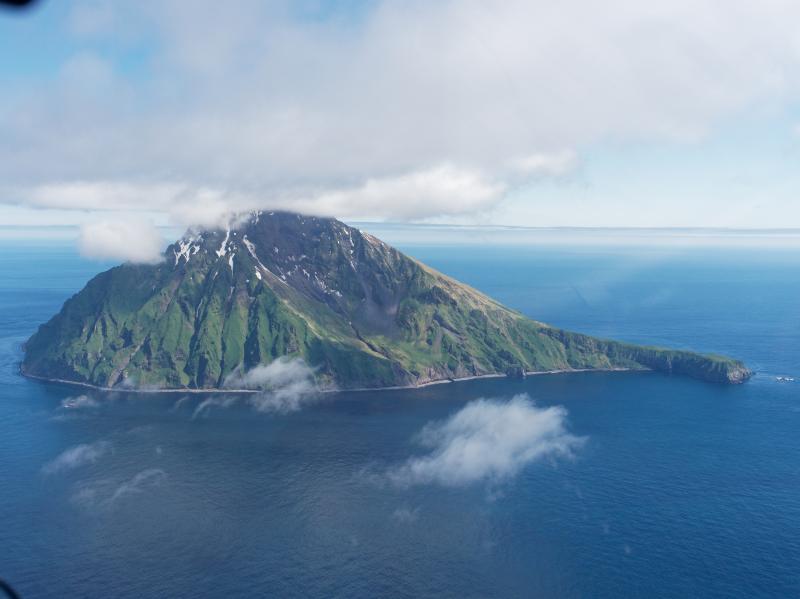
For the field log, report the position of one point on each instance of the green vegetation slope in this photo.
(281, 284)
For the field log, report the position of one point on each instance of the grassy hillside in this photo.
(362, 313)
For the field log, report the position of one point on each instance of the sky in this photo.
(122, 116)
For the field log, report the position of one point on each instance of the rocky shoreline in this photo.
(323, 390)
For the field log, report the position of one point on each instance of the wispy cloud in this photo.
(222, 401)
(104, 493)
(79, 402)
(140, 482)
(75, 457)
(180, 402)
(405, 515)
(487, 440)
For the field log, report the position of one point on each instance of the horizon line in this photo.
(399, 224)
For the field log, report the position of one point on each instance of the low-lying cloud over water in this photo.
(281, 372)
(140, 481)
(487, 440)
(75, 457)
(205, 406)
(286, 384)
(79, 402)
(105, 493)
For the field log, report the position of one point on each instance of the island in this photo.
(278, 285)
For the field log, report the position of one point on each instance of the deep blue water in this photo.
(681, 489)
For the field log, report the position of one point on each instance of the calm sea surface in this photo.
(681, 489)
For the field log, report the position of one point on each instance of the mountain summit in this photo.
(358, 311)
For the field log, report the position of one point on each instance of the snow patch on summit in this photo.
(223, 248)
(252, 249)
(187, 249)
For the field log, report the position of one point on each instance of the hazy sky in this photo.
(539, 113)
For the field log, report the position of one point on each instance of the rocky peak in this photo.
(355, 274)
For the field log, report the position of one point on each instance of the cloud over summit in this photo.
(130, 240)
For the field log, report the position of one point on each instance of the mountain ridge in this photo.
(362, 313)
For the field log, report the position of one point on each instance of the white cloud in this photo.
(487, 440)
(278, 373)
(207, 207)
(541, 164)
(287, 385)
(444, 190)
(439, 191)
(102, 195)
(131, 240)
(259, 104)
(75, 457)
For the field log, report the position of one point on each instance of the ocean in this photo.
(676, 488)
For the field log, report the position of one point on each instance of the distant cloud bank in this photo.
(387, 109)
